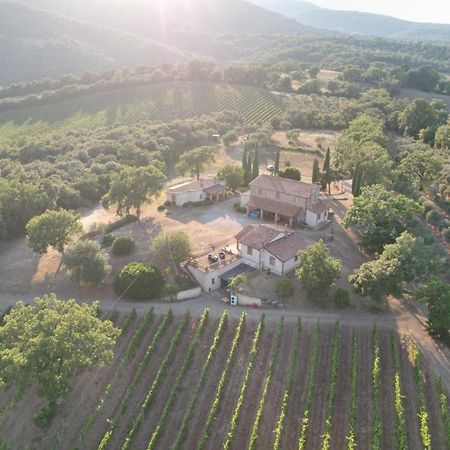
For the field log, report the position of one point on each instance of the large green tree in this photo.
(232, 174)
(171, 248)
(318, 270)
(195, 161)
(436, 295)
(380, 215)
(87, 263)
(422, 167)
(21, 200)
(442, 138)
(53, 229)
(132, 187)
(405, 261)
(422, 115)
(47, 342)
(365, 129)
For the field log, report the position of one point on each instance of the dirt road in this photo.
(408, 319)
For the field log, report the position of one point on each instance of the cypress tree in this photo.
(244, 159)
(327, 172)
(355, 179)
(277, 162)
(255, 171)
(358, 182)
(248, 171)
(327, 162)
(316, 171)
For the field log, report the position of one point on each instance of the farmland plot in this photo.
(184, 382)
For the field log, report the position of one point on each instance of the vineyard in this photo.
(162, 102)
(183, 382)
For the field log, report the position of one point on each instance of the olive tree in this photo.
(195, 161)
(318, 270)
(46, 343)
(53, 229)
(87, 263)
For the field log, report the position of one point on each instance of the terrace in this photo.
(215, 260)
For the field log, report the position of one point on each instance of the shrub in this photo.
(444, 225)
(87, 263)
(446, 234)
(239, 208)
(292, 173)
(427, 206)
(341, 298)
(139, 281)
(434, 217)
(123, 245)
(171, 289)
(45, 416)
(125, 220)
(107, 240)
(284, 288)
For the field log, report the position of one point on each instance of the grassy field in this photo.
(182, 382)
(157, 102)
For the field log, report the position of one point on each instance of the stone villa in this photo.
(287, 201)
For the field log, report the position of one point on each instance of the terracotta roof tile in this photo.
(273, 206)
(284, 185)
(287, 248)
(194, 186)
(257, 237)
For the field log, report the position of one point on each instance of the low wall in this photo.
(246, 300)
(190, 293)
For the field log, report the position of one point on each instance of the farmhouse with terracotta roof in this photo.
(196, 192)
(258, 247)
(289, 201)
(264, 247)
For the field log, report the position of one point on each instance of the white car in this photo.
(270, 168)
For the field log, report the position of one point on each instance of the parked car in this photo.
(270, 168)
(255, 214)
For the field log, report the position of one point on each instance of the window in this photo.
(272, 261)
(213, 281)
(249, 251)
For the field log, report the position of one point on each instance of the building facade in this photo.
(196, 192)
(286, 201)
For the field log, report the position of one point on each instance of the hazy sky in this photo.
(420, 11)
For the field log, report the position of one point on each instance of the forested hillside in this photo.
(36, 44)
(160, 19)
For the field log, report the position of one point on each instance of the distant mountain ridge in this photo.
(354, 22)
(157, 19)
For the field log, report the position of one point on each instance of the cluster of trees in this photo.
(340, 51)
(391, 78)
(75, 167)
